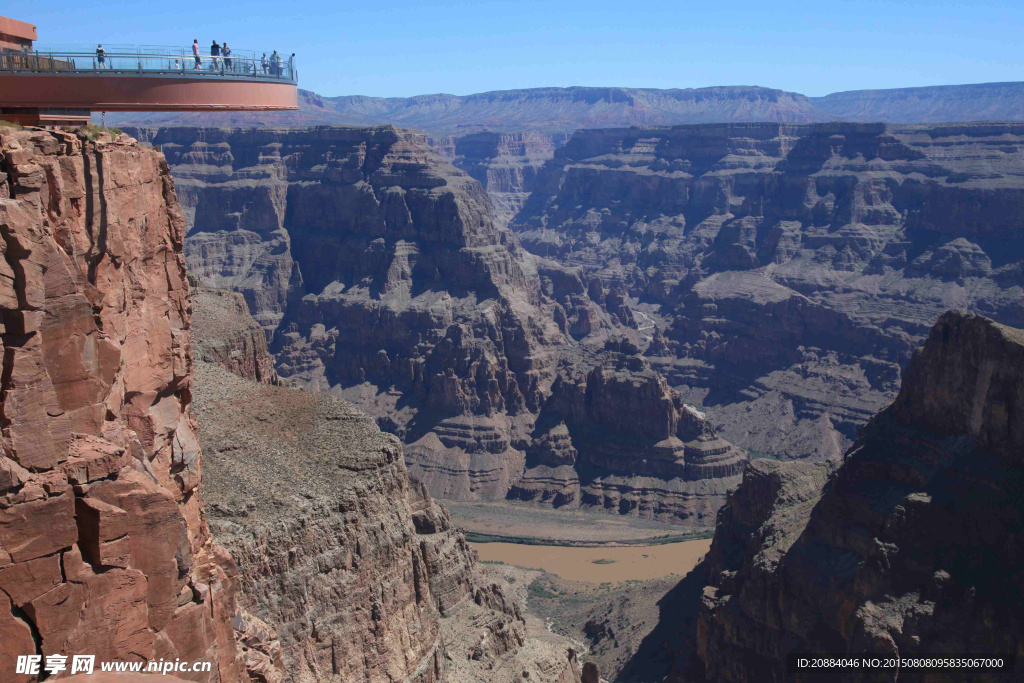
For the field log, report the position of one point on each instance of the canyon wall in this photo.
(360, 574)
(104, 547)
(381, 275)
(506, 164)
(910, 548)
(309, 497)
(782, 275)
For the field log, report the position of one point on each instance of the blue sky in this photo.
(411, 48)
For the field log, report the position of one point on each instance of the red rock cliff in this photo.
(104, 547)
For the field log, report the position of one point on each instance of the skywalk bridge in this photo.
(40, 87)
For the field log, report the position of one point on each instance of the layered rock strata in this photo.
(783, 274)
(104, 547)
(909, 549)
(357, 568)
(310, 499)
(506, 164)
(406, 295)
(402, 294)
(616, 437)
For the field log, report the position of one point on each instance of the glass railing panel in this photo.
(244, 64)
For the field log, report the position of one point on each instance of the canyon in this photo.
(900, 548)
(241, 464)
(381, 275)
(772, 279)
(662, 302)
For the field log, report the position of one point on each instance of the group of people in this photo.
(271, 65)
(216, 53)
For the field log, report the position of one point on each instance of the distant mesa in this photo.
(558, 111)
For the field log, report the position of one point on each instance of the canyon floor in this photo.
(522, 523)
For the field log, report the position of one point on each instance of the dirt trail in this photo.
(582, 564)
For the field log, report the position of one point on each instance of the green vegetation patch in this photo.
(15, 126)
(539, 589)
(603, 560)
(758, 455)
(91, 131)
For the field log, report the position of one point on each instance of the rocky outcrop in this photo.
(785, 273)
(618, 438)
(224, 333)
(104, 547)
(907, 549)
(309, 497)
(357, 568)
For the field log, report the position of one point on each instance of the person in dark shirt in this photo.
(101, 56)
(275, 64)
(215, 55)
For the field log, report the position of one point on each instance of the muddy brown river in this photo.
(599, 565)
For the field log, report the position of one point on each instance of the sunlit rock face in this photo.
(105, 548)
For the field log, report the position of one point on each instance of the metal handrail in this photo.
(151, 63)
(80, 48)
